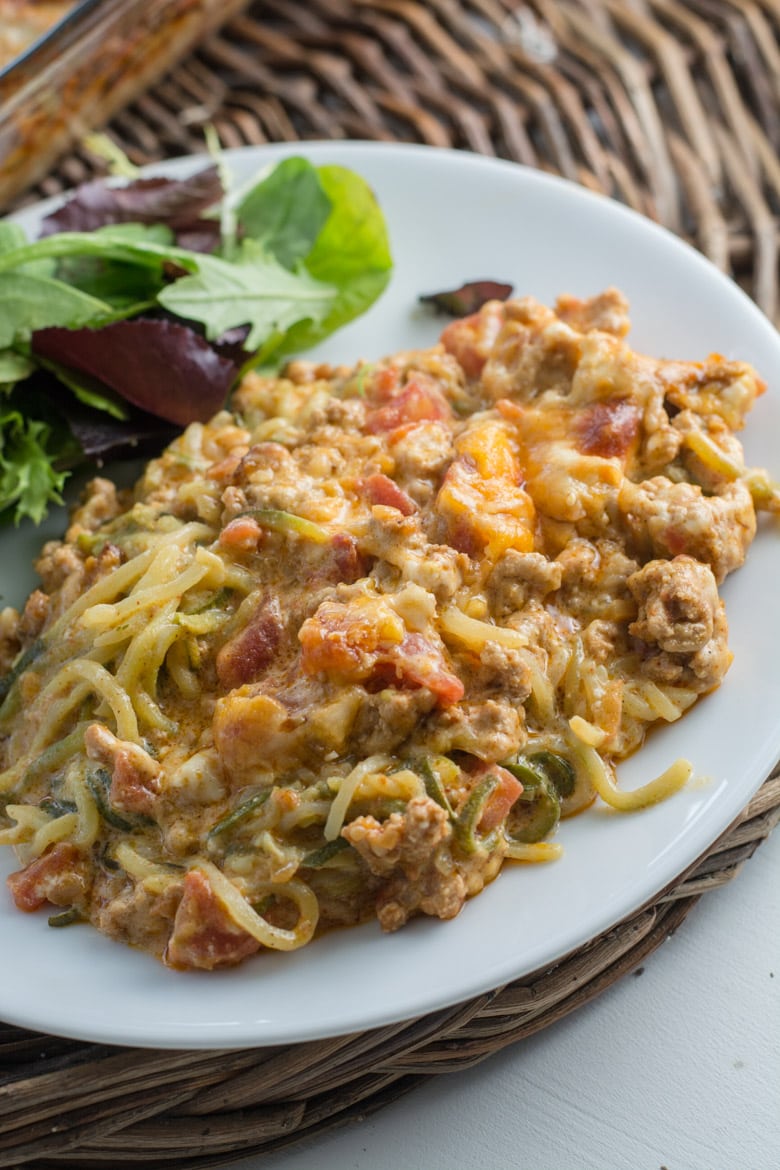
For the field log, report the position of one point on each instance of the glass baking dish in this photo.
(90, 64)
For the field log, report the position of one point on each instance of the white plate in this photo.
(455, 217)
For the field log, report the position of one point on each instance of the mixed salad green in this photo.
(140, 306)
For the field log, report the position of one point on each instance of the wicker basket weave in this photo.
(672, 107)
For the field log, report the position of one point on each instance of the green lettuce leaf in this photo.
(13, 367)
(28, 480)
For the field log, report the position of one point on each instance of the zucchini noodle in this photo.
(540, 851)
(105, 686)
(138, 866)
(57, 829)
(661, 788)
(97, 617)
(88, 816)
(28, 820)
(254, 924)
(476, 633)
(346, 791)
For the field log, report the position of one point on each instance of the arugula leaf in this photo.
(108, 243)
(252, 290)
(27, 476)
(286, 211)
(30, 302)
(352, 253)
(127, 287)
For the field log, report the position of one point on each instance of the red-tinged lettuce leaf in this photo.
(459, 302)
(178, 203)
(102, 437)
(231, 345)
(78, 431)
(159, 366)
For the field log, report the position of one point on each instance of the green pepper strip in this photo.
(320, 857)
(9, 680)
(21, 664)
(532, 770)
(287, 522)
(53, 756)
(525, 773)
(66, 917)
(99, 782)
(57, 808)
(535, 814)
(557, 769)
(433, 785)
(467, 820)
(239, 814)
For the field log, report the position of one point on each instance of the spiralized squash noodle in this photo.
(254, 924)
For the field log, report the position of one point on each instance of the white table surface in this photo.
(675, 1069)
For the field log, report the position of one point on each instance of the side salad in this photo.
(139, 308)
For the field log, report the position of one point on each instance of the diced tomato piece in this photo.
(59, 876)
(226, 468)
(243, 533)
(501, 798)
(420, 664)
(348, 564)
(204, 936)
(675, 540)
(420, 400)
(380, 489)
(135, 776)
(244, 658)
(366, 642)
(383, 384)
(470, 339)
(134, 788)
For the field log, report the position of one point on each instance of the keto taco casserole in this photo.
(344, 651)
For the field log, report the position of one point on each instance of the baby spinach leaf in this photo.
(110, 243)
(286, 211)
(128, 287)
(352, 253)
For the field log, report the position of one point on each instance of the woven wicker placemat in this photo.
(671, 107)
